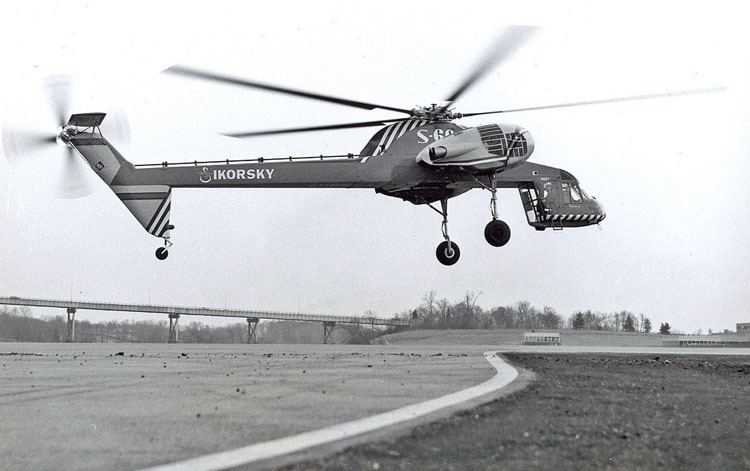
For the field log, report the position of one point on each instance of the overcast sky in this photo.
(671, 173)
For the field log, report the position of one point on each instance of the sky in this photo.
(670, 173)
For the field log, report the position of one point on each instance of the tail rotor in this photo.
(37, 142)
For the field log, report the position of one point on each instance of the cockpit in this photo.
(558, 203)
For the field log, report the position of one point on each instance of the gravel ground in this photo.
(587, 411)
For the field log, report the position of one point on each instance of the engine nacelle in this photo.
(492, 147)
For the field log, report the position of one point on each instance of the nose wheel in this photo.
(496, 232)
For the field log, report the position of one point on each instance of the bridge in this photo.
(174, 312)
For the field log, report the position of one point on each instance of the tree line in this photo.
(439, 313)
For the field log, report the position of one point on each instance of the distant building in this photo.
(739, 339)
(541, 338)
(743, 326)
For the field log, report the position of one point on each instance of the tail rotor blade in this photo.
(59, 91)
(20, 143)
(74, 181)
(115, 127)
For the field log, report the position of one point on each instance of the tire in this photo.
(497, 233)
(442, 255)
(162, 253)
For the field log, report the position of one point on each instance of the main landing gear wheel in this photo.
(447, 252)
(448, 255)
(497, 233)
(162, 253)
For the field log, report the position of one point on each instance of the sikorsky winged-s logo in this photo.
(208, 175)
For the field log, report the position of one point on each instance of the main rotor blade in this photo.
(205, 75)
(607, 100)
(269, 132)
(505, 45)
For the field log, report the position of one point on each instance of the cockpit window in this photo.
(570, 193)
(566, 193)
(575, 195)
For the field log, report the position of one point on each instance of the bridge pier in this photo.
(173, 332)
(71, 334)
(328, 327)
(252, 324)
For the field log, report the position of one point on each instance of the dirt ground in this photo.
(592, 411)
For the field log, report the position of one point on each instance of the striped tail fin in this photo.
(150, 204)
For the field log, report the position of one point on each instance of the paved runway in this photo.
(81, 406)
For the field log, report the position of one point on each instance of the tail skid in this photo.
(150, 204)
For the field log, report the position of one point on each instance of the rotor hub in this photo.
(67, 132)
(435, 112)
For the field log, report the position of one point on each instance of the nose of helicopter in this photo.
(597, 210)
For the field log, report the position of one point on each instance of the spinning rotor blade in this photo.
(603, 101)
(58, 90)
(204, 75)
(268, 132)
(505, 45)
(18, 142)
(24, 141)
(115, 127)
(74, 179)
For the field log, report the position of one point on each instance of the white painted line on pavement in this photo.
(295, 443)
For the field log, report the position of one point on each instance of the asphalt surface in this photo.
(586, 411)
(129, 406)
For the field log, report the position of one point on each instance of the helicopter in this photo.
(424, 158)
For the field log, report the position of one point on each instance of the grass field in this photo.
(592, 411)
(515, 337)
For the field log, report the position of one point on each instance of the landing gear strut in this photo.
(447, 252)
(496, 232)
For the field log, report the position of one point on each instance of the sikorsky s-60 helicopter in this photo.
(423, 158)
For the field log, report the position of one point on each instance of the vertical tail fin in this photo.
(149, 203)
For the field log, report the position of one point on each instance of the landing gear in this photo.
(447, 252)
(496, 232)
(163, 252)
